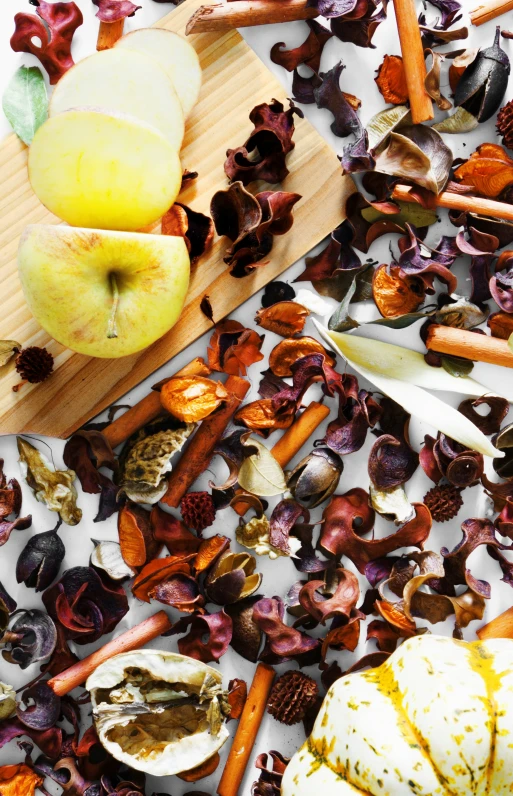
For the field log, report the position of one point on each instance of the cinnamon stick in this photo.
(109, 34)
(197, 456)
(148, 408)
(484, 12)
(247, 731)
(293, 440)
(246, 13)
(414, 63)
(456, 201)
(133, 639)
(500, 627)
(469, 345)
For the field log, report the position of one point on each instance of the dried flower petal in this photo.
(285, 318)
(340, 604)
(19, 780)
(195, 228)
(490, 423)
(54, 32)
(395, 294)
(263, 415)
(192, 398)
(417, 153)
(84, 453)
(489, 170)
(283, 642)
(392, 462)
(247, 636)
(289, 351)
(391, 80)
(232, 578)
(107, 556)
(158, 571)
(135, 533)
(218, 629)
(233, 348)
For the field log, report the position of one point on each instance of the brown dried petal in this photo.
(115, 10)
(285, 318)
(196, 228)
(263, 415)
(247, 636)
(394, 294)
(500, 325)
(286, 353)
(432, 82)
(489, 170)
(158, 571)
(192, 398)
(136, 539)
(309, 52)
(233, 348)
(490, 423)
(341, 603)
(391, 80)
(391, 462)
(283, 642)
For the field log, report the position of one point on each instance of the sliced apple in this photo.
(175, 55)
(103, 170)
(126, 82)
(102, 293)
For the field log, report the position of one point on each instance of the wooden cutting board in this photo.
(234, 80)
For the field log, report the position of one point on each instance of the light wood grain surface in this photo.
(234, 81)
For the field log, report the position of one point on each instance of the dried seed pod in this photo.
(107, 556)
(40, 559)
(232, 578)
(504, 442)
(7, 701)
(316, 477)
(32, 638)
(483, 84)
(246, 635)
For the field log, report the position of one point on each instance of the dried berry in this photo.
(505, 124)
(34, 365)
(291, 696)
(444, 502)
(198, 510)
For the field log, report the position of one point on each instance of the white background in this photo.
(279, 575)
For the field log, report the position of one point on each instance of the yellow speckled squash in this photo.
(436, 719)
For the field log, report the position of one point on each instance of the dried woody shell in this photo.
(316, 477)
(232, 578)
(146, 459)
(157, 711)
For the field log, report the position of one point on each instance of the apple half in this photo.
(102, 293)
(125, 82)
(106, 171)
(174, 54)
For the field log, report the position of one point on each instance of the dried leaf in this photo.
(391, 80)
(48, 38)
(289, 351)
(261, 474)
(52, 487)
(158, 571)
(384, 122)
(262, 415)
(25, 104)
(192, 398)
(460, 122)
(285, 318)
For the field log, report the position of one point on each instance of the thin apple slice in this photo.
(103, 170)
(175, 55)
(125, 82)
(86, 285)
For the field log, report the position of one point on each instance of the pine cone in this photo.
(505, 124)
(198, 510)
(444, 502)
(34, 364)
(291, 696)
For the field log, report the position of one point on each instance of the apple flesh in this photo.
(174, 54)
(125, 82)
(102, 293)
(106, 171)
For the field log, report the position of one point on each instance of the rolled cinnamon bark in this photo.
(414, 63)
(133, 639)
(456, 201)
(469, 345)
(246, 13)
(109, 34)
(484, 12)
(500, 627)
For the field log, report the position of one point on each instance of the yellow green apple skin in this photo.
(104, 171)
(70, 278)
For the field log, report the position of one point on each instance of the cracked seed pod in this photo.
(232, 578)
(158, 711)
(316, 477)
(40, 560)
(145, 460)
(483, 84)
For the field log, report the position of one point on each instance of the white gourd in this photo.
(436, 719)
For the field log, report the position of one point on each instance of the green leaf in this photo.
(456, 366)
(25, 102)
(341, 321)
(411, 213)
(401, 322)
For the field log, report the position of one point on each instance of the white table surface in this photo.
(278, 575)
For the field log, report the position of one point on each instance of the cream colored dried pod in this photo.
(436, 719)
(7, 701)
(158, 711)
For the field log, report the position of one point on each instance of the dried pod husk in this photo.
(246, 635)
(135, 532)
(45, 709)
(285, 318)
(145, 460)
(391, 80)
(7, 701)
(40, 559)
(7, 606)
(232, 578)
(393, 504)
(52, 487)
(255, 535)
(107, 556)
(157, 711)
(32, 638)
(504, 442)
(396, 295)
(316, 477)
(482, 86)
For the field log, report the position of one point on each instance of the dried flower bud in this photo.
(291, 696)
(232, 578)
(316, 477)
(198, 510)
(34, 364)
(40, 560)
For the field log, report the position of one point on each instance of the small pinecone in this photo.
(505, 124)
(444, 502)
(291, 696)
(198, 510)
(34, 364)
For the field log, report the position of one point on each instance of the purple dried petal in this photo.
(45, 710)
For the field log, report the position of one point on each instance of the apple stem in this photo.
(111, 327)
